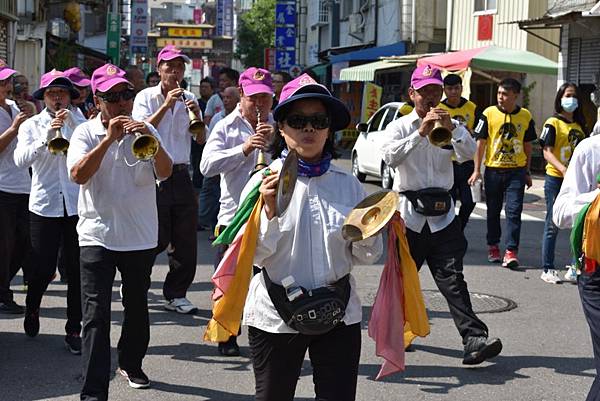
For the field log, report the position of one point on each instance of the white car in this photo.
(366, 154)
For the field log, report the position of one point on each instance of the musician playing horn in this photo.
(118, 229)
(163, 107)
(15, 185)
(423, 176)
(233, 148)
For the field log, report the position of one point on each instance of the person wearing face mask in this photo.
(561, 134)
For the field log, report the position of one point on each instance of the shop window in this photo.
(485, 6)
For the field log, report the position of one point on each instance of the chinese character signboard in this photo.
(285, 35)
(138, 41)
(371, 100)
(185, 32)
(270, 58)
(225, 18)
(113, 37)
(185, 43)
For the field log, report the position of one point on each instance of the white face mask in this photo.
(569, 104)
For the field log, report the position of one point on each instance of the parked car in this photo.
(366, 154)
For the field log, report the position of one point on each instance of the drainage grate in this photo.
(482, 303)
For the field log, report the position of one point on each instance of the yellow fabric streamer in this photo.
(227, 310)
(416, 323)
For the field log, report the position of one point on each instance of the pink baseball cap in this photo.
(55, 79)
(256, 80)
(169, 52)
(5, 72)
(107, 76)
(426, 75)
(304, 87)
(77, 77)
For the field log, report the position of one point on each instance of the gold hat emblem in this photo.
(2, 63)
(307, 80)
(55, 72)
(427, 71)
(111, 70)
(258, 75)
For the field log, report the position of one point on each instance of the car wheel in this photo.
(387, 177)
(355, 170)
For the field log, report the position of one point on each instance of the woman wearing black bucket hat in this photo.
(303, 250)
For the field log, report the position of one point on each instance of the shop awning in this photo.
(366, 72)
(371, 53)
(493, 58)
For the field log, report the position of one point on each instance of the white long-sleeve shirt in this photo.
(13, 179)
(117, 205)
(579, 186)
(306, 242)
(50, 183)
(418, 165)
(223, 155)
(173, 127)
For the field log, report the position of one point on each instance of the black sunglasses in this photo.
(318, 121)
(114, 97)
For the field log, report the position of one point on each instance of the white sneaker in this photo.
(180, 305)
(551, 276)
(571, 274)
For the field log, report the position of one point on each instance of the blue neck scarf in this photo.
(306, 169)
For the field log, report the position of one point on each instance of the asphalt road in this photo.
(547, 350)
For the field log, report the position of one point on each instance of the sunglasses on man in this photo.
(114, 97)
(317, 121)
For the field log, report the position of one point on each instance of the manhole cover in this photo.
(482, 303)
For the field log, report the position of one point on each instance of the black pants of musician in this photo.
(98, 268)
(277, 360)
(589, 292)
(462, 190)
(46, 234)
(444, 251)
(15, 245)
(177, 217)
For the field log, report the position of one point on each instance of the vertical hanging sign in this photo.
(138, 40)
(285, 35)
(113, 37)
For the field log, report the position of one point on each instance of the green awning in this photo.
(366, 72)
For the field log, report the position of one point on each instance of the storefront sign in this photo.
(185, 43)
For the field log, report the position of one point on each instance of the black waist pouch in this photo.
(430, 201)
(315, 311)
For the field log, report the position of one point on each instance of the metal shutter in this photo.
(583, 60)
(4, 40)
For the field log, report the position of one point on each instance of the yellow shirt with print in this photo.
(464, 113)
(505, 134)
(562, 136)
(405, 109)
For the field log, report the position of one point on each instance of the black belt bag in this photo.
(430, 201)
(315, 311)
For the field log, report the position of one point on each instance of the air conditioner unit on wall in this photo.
(356, 24)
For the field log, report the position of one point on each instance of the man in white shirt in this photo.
(118, 229)
(15, 184)
(232, 151)
(52, 202)
(581, 186)
(227, 77)
(434, 233)
(163, 107)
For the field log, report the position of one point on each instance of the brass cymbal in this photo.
(370, 215)
(287, 182)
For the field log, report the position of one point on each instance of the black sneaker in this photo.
(11, 308)
(136, 378)
(73, 343)
(229, 347)
(478, 349)
(31, 324)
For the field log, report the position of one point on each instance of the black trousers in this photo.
(589, 292)
(444, 252)
(15, 244)
(277, 361)
(462, 190)
(46, 235)
(177, 220)
(98, 268)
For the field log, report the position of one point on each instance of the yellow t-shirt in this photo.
(406, 109)
(464, 113)
(505, 134)
(562, 136)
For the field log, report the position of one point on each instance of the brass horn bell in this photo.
(144, 147)
(440, 135)
(370, 215)
(58, 144)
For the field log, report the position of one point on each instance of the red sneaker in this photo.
(510, 259)
(493, 254)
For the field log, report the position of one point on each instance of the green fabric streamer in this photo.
(239, 219)
(577, 234)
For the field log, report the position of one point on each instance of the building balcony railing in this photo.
(8, 9)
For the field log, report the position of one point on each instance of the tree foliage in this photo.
(256, 31)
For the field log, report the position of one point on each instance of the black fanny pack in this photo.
(430, 201)
(315, 311)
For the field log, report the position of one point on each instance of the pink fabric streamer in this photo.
(386, 326)
(223, 276)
